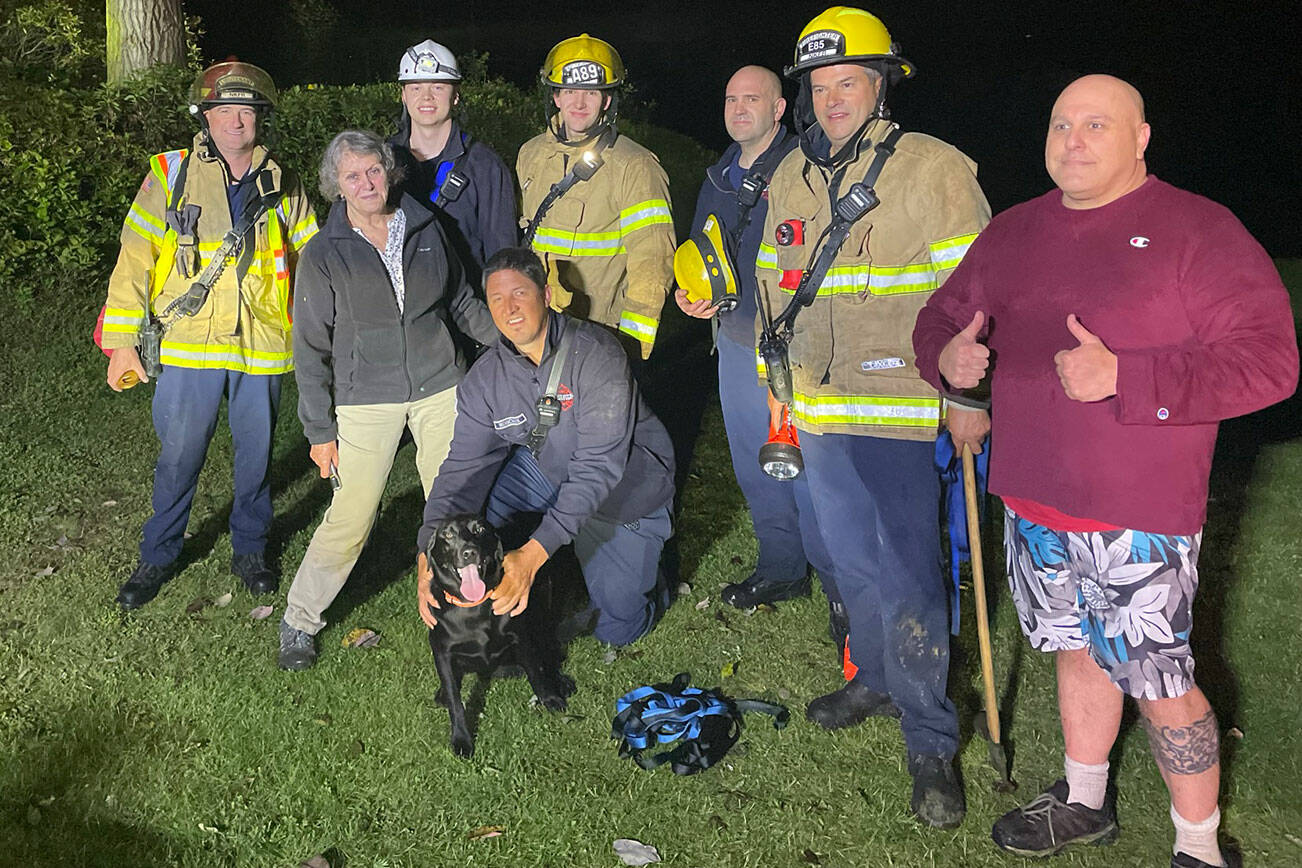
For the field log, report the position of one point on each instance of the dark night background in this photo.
(1220, 79)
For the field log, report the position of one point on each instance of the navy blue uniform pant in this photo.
(781, 511)
(620, 562)
(877, 503)
(186, 401)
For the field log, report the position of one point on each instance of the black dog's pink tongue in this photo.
(472, 587)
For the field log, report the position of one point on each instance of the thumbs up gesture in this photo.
(963, 362)
(1088, 372)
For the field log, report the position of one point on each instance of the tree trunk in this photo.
(142, 33)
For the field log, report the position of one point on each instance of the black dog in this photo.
(465, 557)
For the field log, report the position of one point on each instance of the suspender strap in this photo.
(850, 208)
(753, 185)
(549, 406)
(583, 169)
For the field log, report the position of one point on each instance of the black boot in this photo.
(255, 573)
(937, 795)
(852, 704)
(753, 591)
(143, 584)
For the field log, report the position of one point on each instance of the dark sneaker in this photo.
(1231, 858)
(1049, 823)
(753, 591)
(255, 573)
(297, 649)
(937, 795)
(143, 584)
(854, 703)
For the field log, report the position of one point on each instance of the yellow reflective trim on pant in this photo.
(644, 213)
(641, 327)
(227, 357)
(767, 256)
(950, 252)
(866, 410)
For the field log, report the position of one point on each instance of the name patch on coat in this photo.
(882, 364)
(508, 422)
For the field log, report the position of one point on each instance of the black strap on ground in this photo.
(456, 181)
(582, 170)
(549, 406)
(858, 201)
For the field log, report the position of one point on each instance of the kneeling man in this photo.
(601, 474)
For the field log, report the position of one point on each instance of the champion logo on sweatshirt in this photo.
(1139, 241)
(508, 422)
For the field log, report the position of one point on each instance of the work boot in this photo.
(1048, 823)
(755, 590)
(143, 584)
(937, 796)
(1232, 858)
(838, 626)
(852, 704)
(255, 573)
(297, 648)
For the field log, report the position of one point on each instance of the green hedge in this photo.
(72, 158)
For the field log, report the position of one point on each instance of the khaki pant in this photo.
(368, 439)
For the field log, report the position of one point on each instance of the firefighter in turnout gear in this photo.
(596, 203)
(201, 291)
(863, 224)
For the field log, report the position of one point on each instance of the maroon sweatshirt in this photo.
(1173, 284)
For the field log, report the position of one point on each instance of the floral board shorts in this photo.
(1125, 595)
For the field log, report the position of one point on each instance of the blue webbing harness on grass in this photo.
(706, 722)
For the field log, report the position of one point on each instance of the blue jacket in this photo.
(719, 197)
(608, 456)
(483, 219)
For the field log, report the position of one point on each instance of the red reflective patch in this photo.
(791, 278)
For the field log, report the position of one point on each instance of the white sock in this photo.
(1086, 784)
(1198, 839)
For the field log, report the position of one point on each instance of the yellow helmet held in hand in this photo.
(583, 62)
(704, 269)
(844, 34)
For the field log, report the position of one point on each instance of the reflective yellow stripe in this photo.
(145, 225)
(866, 410)
(643, 214)
(302, 232)
(551, 240)
(950, 252)
(641, 327)
(226, 357)
(123, 321)
(879, 280)
(767, 257)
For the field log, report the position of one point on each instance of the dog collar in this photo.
(457, 601)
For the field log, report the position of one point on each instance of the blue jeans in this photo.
(781, 513)
(620, 562)
(877, 502)
(186, 401)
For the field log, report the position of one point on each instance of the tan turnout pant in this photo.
(368, 438)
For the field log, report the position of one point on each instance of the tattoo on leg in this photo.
(1185, 750)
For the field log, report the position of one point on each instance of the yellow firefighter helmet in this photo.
(843, 34)
(704, 269)
(583, 62)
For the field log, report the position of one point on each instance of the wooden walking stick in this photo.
(998, 758)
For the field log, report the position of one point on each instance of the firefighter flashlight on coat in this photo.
(780, 456)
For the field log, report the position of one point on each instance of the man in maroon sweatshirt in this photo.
(1127, 318)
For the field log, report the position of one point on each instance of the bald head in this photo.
(752, 107)
(1097, 136)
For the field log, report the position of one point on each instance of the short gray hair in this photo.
(361, 142)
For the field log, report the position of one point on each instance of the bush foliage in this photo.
(71, 158)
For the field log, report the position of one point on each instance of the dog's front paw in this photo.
(463, 745)
(564, 684)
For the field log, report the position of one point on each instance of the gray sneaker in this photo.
(297, 649)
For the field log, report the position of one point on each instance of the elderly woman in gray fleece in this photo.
(381, 306)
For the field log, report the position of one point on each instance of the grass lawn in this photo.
(169, 737)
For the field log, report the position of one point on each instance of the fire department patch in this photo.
(565, 396)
